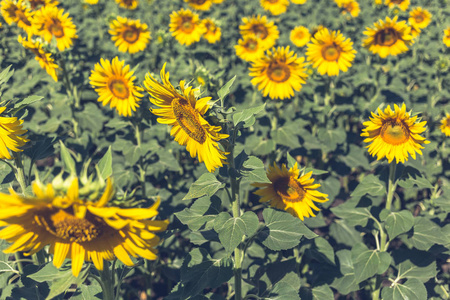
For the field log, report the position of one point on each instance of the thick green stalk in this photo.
(107, 282)
(19, 172)
(138, 135)
(392, 185)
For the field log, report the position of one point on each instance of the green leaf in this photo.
(253, 170)
(105, 164)
(398, 222)
(6, 74)
(322, 292)
(368, 262)
(21, 104)
(203, 210)
(291, 161)
(330, 138)
(324, 248)
(356, 157)
(251, 222)
(207, 184)
(426, 234)
(420, 182)
(286, 135)
(69, 162)
(345, 234)
(62, 284)
(346, 283)
(88, 292)
(369, 185)
(421, 270)
(282, 231)
(353, 215)
(231, 231)
(247, 116)
(225, 90)
(411, 289)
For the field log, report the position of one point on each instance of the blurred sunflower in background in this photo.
(300, 36)
(445, 125)
(291, 192)
(279, 73)
(249, 48)
(213, 32)
(350, 7)
(446, 38)
(276, 7)
(91, 2)
(19, 13)
(415, 31)
(402, 4)
(316, 29)
(394, 134)
(51, 22)
(45, 59)
(298, 1)
(199, 4)
(186, 26)
(184, 113)
(35, 4)
(113, 81)
(388, 37)
(128, 4)
(129, 35)
(330, 52)
(419, 17)
(79, 229)
(12, 137)
(259, 27)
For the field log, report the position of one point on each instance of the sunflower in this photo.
(45, 59)
(91, 2)
(51, 22)
(394, 134)
(128, 4)
(445, 125)
(276, 7)
(291, 192)
(217, 1)
(316, 29)
(18, 12)
(419, 17)
(12, 136)
(78, 229)
(278, 73)
(184, 114)
(129, 35)
(35, 4)
(349, 7)
(415, 31)
(298, 1)
(114, 84)
(300, 36)
(259, 27)
(250, 48)
(402, 4)
(388, 37)
(186, 27)
(199, 4)
(330, 52)
(213, 32)
(446, 38)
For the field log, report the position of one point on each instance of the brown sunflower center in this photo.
(198, 2)
(278, 72)
(331, 52)
(300, 34)
(252, 45)
(187, 118)
(73, 229)
(397, 1)
(394, 132)
(56, 29)
(35, 3)
(419, 18)
(260, 31)
(131, 35)
(272, 1)
(386, 37)
(119, 88)
(289, 189)
(187, 25)
(21, 16)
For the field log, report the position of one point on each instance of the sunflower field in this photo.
(299, 149)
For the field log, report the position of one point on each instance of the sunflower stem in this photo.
(298, 259)
(19, 172)
(392, 185)
(107, 283)
(138, 134)
(40, 256)
(19, 262)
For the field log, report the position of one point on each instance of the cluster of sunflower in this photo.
(278, 7)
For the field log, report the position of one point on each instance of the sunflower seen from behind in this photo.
(300, 36)
(394, 134)
(51, 22)
(199, 4)
(250, 48)
(291, 192)
(388, 37)
(185, 115)
(77, 228)
(261, 28)
(419, 17)
(186, 27)
(279, 73)
(128, 4)
(276, 7)
(129, 36)
(12, 136)
(212, 32)
(330, 52)
(113, 81)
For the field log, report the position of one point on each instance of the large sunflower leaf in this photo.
(426, 234)
(207, 184)
(412, 289)
(203, 210)
(368, 262)
(398, 222)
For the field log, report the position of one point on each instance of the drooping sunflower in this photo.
(446, 38)
(18, 12)
(300, 36)
(51, 22)
(78, 229)
(330, 52)
(259, 26)
(45, 59)
(389, 37)
(128, 4)
(276, 7)
(129, 35)
(394, 134)
(184, 113)
(186, 27)
(35, 4)
(279, 73)
(402, 4)
(349, 7)
(199, 4)
(213, 32)
(250, 48)
(113, 81)
(291, 192)
(419, 17)
(445, 124)
(12, 136)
